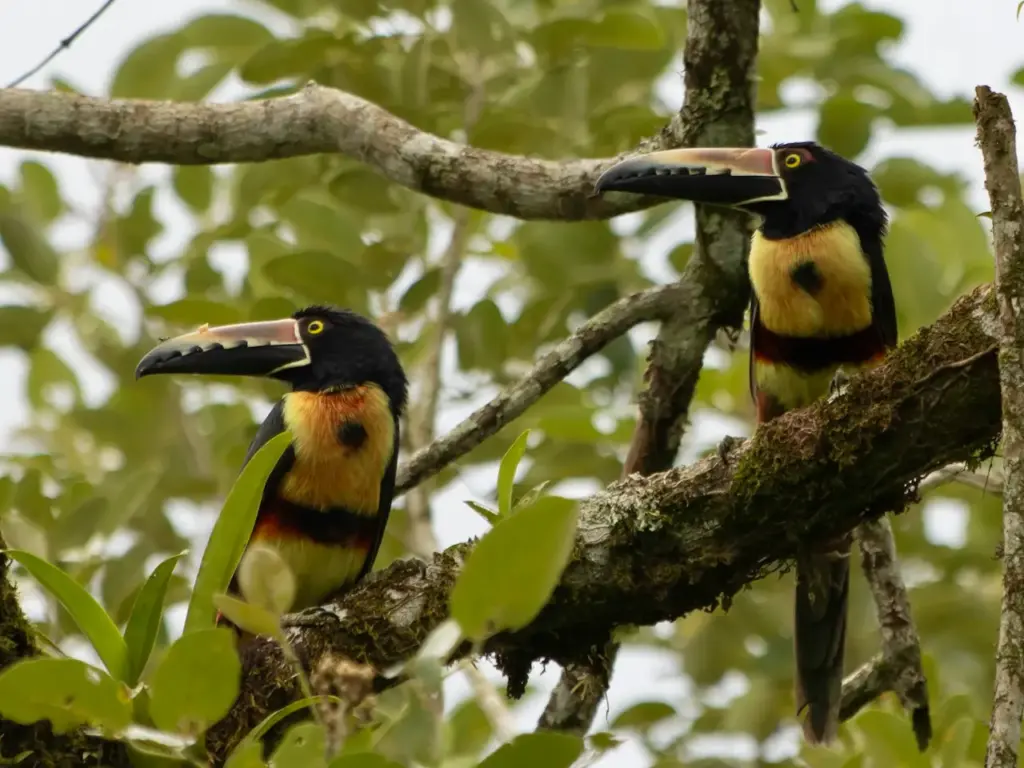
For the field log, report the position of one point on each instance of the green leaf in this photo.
(420, 292)
(507, 473)
(196, 312)
(87, 613)
(844, 124)
(531, 496)
(194, 185)
(251, 618)
(67, 692)
(510, 574)
(626, 30)
(642, 716)
(248, 754)
(266, 580)
(197, 681)
(316, 275)
(147, 613)
(485, 512)
(264, 726)
(540, 750)
(231, 533)
(304, 745)
(149, 70)
(28, 247)
(232, 38)
(22, 326)
(47, 371)
(40, 192)
(363, 760)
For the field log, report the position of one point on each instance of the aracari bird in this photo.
(821, 302)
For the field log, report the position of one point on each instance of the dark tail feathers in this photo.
(822, 596)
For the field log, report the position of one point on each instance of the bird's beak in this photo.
(731, 177)
(245, 349)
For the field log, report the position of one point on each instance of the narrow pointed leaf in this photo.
(507, 472)
(87, 613)
(231, 533)
(144, 622)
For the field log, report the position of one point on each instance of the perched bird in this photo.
(326, 503)
(821, 301)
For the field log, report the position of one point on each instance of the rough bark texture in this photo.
(901, 646)
(653, 549)
(996, 137)
(313, 120)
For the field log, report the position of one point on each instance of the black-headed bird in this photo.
(822, 301)
(326, 503)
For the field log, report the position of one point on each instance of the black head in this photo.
(319, 348)
(794, 187)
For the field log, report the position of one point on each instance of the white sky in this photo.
(952, 45)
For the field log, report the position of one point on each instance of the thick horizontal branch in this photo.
(654, 548)
(589, 339)
(313, 120)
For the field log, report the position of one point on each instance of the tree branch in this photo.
(653, 549)
(600, 330)
(313, 120)
(901, 646)
(996, 137)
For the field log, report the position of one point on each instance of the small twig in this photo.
(997, 140)
(901, 646)
(491, 703)
(553, 367)
(63, 45)
(863, 686)
(991, 481)
(344, 686)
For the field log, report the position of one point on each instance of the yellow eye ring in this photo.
(315, 327)
(792, 160)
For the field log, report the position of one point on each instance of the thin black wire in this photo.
(64, 44)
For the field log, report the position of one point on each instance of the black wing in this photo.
(272, 426)
(883, 305)
(754, 320)
(387, 495)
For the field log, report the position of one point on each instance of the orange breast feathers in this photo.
(343, 442)
(842, 305)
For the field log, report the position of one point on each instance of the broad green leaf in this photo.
(47, 372)
(40, 192)
(229, 37)
(531, 496)
(507, 473)
(147, 613)
(625, 30)
(363, 760)
(486, 513)
(251, 618)
(148, 71)
(315, 275)
(197, 681)
(22, 326)
(67, 692)
(248, 754)
(231, 533)
(265, 579)
(191, 311)
(87, 613)
(511, 572)
(538, 750)
(321, 223)
(28, 247)
(194, 185)
(844, 124)
(304, 744)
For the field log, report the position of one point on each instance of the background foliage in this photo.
(109, 487)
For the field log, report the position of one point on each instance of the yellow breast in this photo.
(842, 306)
(327, 473)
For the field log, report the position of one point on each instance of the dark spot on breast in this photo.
(352, 434)
(807, 276)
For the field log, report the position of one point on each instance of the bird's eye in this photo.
(315, 327)
(792, 160)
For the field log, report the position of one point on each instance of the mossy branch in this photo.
(651, 549)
